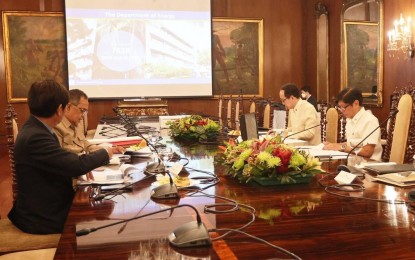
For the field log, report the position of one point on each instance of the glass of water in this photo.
(153, 137)
(166, 154)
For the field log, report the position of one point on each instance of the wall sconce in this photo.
(400, 38)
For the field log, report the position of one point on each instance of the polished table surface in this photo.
(301, 218)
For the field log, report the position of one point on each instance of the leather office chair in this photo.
(400, 144)
(16, 240)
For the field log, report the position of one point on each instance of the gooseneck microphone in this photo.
(311, 127)
(344, 167)
(165, 191)
(152, 168)
(191, 234)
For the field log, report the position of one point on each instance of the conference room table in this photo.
(308, 220)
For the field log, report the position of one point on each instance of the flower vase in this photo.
(274, 181)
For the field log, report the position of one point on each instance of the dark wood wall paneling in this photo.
(289, 50)
(397, 72)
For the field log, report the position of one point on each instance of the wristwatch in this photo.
(343, 147)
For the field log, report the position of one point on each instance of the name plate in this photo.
(345, 177)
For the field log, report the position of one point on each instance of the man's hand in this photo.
(118, 149)
(109, 151)
(89, 176)
(332, 146)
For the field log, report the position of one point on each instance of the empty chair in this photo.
(229, 113)
(220, 108)
(400, 145)
(237, 112)
(252, 105)
(267, 116)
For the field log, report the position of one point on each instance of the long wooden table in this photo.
(301, 218)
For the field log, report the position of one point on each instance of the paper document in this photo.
(117, 139)
(370, 164)
(401, 179)
(317, 151)
(111, 174)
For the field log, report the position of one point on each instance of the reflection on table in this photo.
(301, 218)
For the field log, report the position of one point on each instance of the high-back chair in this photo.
(237, 112)
(220, 108)
(252, 105)
(11, 132)
(400, 144)
(267, 116)
(15, 239)
(333, 124)
(229, 113)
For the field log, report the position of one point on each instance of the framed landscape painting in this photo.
(363, 64)
(35, 49)
(237, 55)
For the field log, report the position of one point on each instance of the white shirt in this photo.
(359, 127)
(301, 117)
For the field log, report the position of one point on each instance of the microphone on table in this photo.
(165, 191)
(311, 127)
(152, 168)
(115, 191)
(344, 167)
(191, 234)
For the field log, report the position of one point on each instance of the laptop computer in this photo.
(389, 168)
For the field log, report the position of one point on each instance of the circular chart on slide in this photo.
(120, 51)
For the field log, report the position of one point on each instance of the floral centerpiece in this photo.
(269, 159)
(194, 127)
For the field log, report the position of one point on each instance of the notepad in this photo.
(401, 179)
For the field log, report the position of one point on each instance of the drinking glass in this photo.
(153, 137)
(166, 154)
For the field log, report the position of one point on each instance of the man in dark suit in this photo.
(305, 94)
(44, 170)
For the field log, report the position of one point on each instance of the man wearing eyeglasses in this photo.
(302, 115)
(68, 130)
(359, 124)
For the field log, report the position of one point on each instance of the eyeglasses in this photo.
(342, 108)
(283, 100)
(82, 110)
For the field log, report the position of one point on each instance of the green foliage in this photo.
(268, 158)
(194, 127)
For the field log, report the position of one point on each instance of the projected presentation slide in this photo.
(139, 48)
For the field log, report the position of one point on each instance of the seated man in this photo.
(359, 124)
(68, 131)
(302, 115)
(306, 95)
(44, 170)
